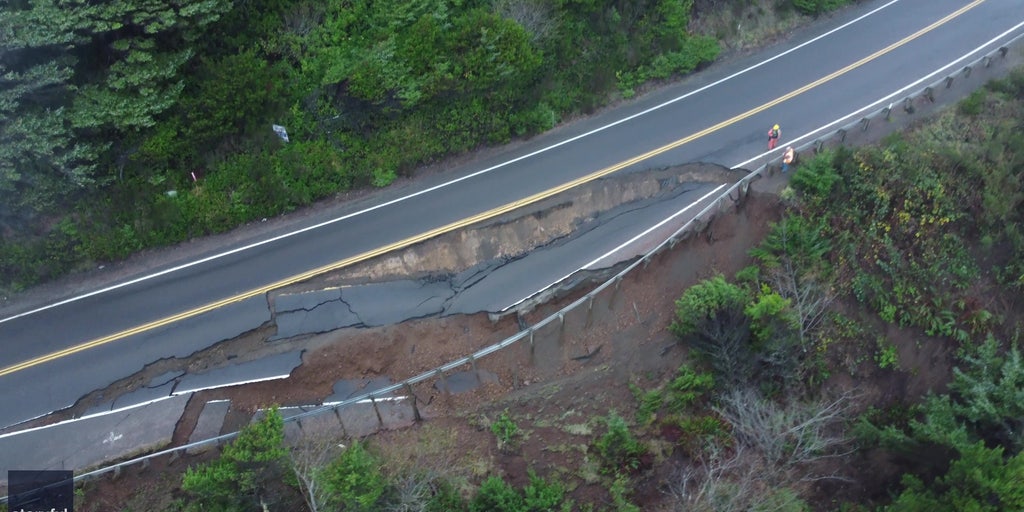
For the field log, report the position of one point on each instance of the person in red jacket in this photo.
(773, 137)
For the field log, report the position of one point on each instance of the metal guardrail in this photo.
(734, 195)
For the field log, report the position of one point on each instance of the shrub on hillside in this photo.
(816, 177)
(817, 6)
(619, 449)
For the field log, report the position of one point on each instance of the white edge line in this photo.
(332, 404)
(652, 228)
(445, 184)
(605, 255)
(175, 395)
(87, 417)
(886, 98)
(364, 401)
(240, 383)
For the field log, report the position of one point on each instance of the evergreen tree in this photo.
(77, 76)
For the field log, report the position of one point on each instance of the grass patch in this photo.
(579, 429)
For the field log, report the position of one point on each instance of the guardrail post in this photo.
(472, 364)
(444, 384)
(949, 82)
(967, 69)
(1003, 51)
(117, 473)
(380, 421)
(864, 123)
(930, 94)
(698, 225)
(532, 331)
(908, 105)
(888, 112)
(415, 409)
(145, 464)
(842, 135)
(590, 312)
(175, 455)
(615, 291)
(818, 146)
(561, 327)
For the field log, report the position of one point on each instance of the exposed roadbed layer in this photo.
(515, 233)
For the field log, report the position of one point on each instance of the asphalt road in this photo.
(740, 110)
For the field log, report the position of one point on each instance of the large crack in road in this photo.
(496, 284)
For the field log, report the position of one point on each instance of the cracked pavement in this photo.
(19, 404)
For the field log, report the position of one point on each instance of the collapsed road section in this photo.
(485, 268)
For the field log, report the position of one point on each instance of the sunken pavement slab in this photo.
(273, 367)
(209, 424)
(368, 305)
(352, 421)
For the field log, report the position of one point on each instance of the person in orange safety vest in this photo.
(787, 158)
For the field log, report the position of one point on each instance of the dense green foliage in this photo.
(906, 220)
(504, 428)
(905, 214)
(921, 231)
(250, 470)
(817, 6)
(155, 126)
(619, 449)
(713, 312)
(496, 495)
(353, 480)
(238, 479)
(75, 79)
(751, 334)
(977, 426)
(980, 479)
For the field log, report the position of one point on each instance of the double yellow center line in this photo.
(480, 216)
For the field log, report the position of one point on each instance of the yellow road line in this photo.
(480, 216)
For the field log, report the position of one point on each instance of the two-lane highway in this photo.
(51, 357)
